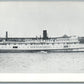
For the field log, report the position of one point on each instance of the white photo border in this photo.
(55, 77)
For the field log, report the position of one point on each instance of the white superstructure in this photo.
(49, 44)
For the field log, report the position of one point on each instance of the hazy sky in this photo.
(29, 18)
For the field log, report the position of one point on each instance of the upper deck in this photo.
(40, 40)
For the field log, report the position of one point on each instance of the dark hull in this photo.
(33, 51)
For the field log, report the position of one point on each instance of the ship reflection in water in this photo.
(42, 62)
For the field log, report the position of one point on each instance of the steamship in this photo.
(46, 44)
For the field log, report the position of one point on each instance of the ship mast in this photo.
(6, 35)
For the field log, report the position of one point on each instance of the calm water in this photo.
(42, 62)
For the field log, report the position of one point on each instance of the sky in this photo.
(30, 18)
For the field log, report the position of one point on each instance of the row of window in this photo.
(35, 43)
(27, 47)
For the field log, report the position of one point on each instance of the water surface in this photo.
(41, 62)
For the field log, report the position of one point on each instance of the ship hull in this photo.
(41, 50)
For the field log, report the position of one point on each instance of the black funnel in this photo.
(45, 34)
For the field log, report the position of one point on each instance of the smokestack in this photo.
(45, 34)
(6, 35)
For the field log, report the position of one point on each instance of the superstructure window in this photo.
(75, 42)
(66, 46)
(15, 46)
(3, 44)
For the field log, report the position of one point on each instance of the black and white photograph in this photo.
(41, 36)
